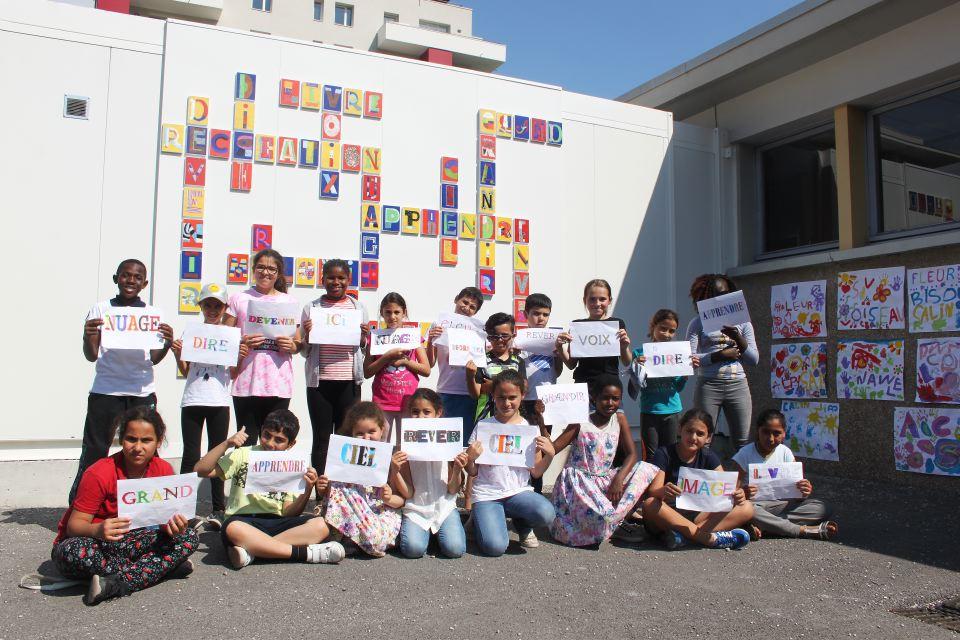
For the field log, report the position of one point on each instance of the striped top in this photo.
(335, 360)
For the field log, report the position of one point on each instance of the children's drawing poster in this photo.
(812, 428)
(927, 440)
(870, 370)
(798, 309)
(870, 299)
(938, 371)
(798, 370)
(934, 298)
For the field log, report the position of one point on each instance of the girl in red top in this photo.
(93, 543)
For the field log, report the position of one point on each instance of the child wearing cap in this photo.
(206, 398)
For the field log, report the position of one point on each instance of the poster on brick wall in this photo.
(812, 428)
(927, 440)
(934, 298)
(798, 370)
(798, 309)
(870, 370)
(870, 299)
(938, 370)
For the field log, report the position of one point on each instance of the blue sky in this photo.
(605, 48)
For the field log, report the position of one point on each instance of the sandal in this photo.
(821, 532)
(755, 533)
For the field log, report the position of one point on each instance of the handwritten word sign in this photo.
(510, 445)
(211, 344)
(404, 338)
(150, 501)
(704, 490)
(798, 309)
(359, 461)
(934, 294)
(927, 440)
(449, 321)
(870, 299)
(594, 339)
(540, 342)
(131, 328)
(776, 481)
(335, 326)
(271, 319)
(938, 370)
(870, 370)
(465, 346)
(729, 309)
(276, 471)
(565, 404)
(667, 359)
(431, 439)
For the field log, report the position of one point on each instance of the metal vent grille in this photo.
(75, 107)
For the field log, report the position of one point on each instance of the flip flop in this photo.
(40, 582)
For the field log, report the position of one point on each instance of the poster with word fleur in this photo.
(927, 440)
(934, 294)
(812, 428)
(870, 299)
(870, 370)
(798, 309)
(798, 370)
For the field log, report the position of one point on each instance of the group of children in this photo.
(607, 488)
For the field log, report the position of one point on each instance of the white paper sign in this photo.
(431, 439)
(727, 310)
(456, 321)
(776, 481)
(211, 344)
(565, 403)
(594, 339)
(404, 338)
(465, 345)
(359, 461)
(271, 319)
(151, 501)
(541, 342)
(335, 326)
(705, 490)
(667, 359)
(510, 445)
(131, 328)
(276, 472)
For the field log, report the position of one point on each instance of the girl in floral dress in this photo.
(592, 497)
(367, 516)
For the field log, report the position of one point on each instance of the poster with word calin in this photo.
(938, 370)
(798, 309)
(934, 298)
(870, 299)
(798, 370)
(447, 320)
(870, 370)
(927, 440)
(812, 428)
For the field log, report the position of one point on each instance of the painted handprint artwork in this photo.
(870, 299)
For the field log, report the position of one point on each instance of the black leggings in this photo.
(252, 410)
(328, 403)
(191, 424)
(659, 430)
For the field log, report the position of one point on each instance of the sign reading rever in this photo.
(431, 439)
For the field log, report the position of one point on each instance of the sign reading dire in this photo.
(211, 344)
(667, 359)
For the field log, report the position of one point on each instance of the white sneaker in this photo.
(529, 541)
(325, 553)
(239, 557)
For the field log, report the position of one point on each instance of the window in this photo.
(343, 15)
(917, 153)
(434, 26)
(263, 5)
(799, 197)
(390, 17)
(318, 10)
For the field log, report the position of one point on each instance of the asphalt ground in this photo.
(896, 548)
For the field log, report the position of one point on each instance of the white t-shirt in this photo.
(748, 455)
(495, 482)
(539, 371)
(431, 503)
(121, 372)
(450, 379)
(208, 385)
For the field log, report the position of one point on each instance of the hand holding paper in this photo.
(150, 501)
(595, 339)
(336, 326)
(776, 481)
(564, 404)
(704, 490)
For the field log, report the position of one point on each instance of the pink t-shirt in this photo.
(393, 385)
(265, 371)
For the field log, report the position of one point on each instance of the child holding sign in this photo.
(368, 516)
(396, 374)
(334, 372)
(500, 491)
(206, 398)
(722, 381)
(93, 543)
(267, 525)
(592, 497)
(676, 526)
(805, 517)
(501, 328)
(265, 381)
(431, 508)
(124, 377)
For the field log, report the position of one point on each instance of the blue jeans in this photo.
(528, 510)
(458, 406)
(452, 539)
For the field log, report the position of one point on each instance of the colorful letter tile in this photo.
(370, 189)
(330, 126)
(504, 229)
(488, 147)
(504, 125)
(488, 173)
(241, 176)
(521, 230)
(351, 154)
(191, 233)
(310, 96)
(261, 237)
(193, 198)
(449, 169)
(329, 184)
(487, 227)
(243, 116)
(487, 281)
(330, 155)
(352, 102)
(287, 151)
(449, 224)
(372, 160)
(538, 130)
(488, 200)
(265, 149)
(171, 138)
(194, 171)
(289, 93)
(391, 219)
(448, 251)
(309, 153)
(198, 111)
(219, 146)
(410, 223)
(468, 226)
(487, 121)
(369, 274)
(369, 217)
(521, 284)
(196, 140)
(521, 128)
(430, 222)
(519, 310)
(486, 254)
(332, 98)
(190, 265)
(521, 257)
(373, 105)
(369, 246)
(238, 268)
(305, 274)
(245, 87)
(242, 146)
(448, 196)
(288, 270)
(554, 133)
(189, 296)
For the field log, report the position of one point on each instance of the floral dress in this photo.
(360, 514)
(585, 515)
